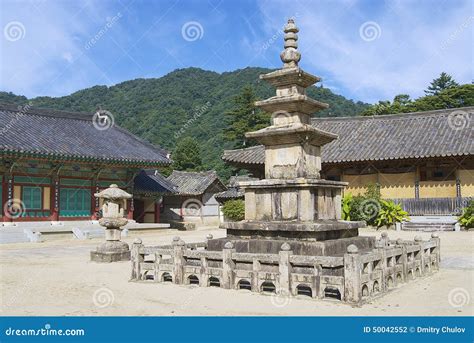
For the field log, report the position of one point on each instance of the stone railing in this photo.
(388, 265)
(354, 278)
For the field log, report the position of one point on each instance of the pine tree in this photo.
(187, 155)
(244, 117)
(444, 81)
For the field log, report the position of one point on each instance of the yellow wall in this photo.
(357, 183)
(437, 189)
(46, 198)
(149, 218)
(149, 205)
(17, 192)
(467, 182)
(401, 185)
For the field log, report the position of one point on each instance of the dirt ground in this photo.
(56, 278)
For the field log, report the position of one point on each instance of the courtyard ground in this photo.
(56, 278)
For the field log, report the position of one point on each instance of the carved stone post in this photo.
(421, 254)
(255, 271)
(203, 272)
(178, 260)
(437, 250)
(136, 258)
(284, 269)
(228, 266)
(352, 285)
(403, 259)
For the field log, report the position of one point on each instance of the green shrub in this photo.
(347, 206)
(467, 217)
(390, 213)
(371, 209)
(234, 209)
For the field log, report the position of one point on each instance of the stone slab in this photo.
(107, 257)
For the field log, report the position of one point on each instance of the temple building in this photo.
(194, 198)
(421, 159)
(52, 162)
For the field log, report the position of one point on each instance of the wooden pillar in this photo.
(130, 209)
(9, 198)
(55, 199)
(95, 201)
(4, 196)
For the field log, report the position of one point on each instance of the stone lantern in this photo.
(113, 218)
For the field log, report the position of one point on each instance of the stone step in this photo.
(88, 232)
(428, 226)
(11, 236)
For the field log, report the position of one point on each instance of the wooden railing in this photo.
(433, 206)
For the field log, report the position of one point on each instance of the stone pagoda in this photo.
(292, 241)
(293, 203)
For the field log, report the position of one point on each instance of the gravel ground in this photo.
(56, 278)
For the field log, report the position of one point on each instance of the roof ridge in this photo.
(395, 115)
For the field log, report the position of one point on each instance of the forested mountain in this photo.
(185, 102)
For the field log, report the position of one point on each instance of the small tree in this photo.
(244, 117)
(444, 81)
(187, 155)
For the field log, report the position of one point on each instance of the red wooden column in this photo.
(4, 196)
(94, 200)
(55, 199)
(8, 191)
(130, 209)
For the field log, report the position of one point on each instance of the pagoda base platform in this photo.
(320, 237)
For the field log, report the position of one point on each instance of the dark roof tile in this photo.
(395, 136)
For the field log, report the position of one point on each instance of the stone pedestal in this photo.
(113, 250)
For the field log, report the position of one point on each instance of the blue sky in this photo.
(364, 50)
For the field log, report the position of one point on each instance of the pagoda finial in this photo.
(290, 56)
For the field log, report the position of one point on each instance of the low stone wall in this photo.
(354, 278)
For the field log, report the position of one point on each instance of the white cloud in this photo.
(50, 59)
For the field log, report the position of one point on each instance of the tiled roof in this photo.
(233, 191)
(195, 183)
(150, 181)
(71, 135)
(437, 133)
